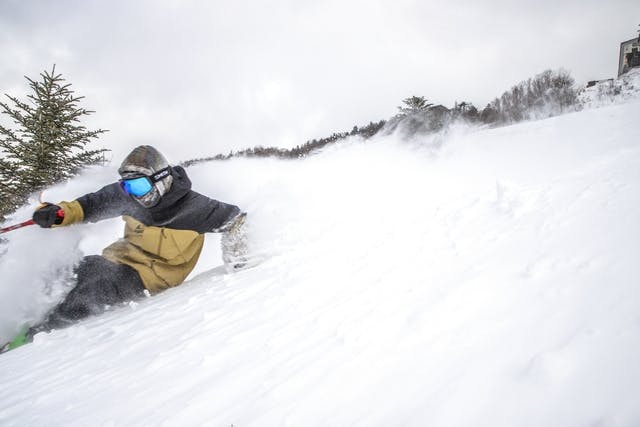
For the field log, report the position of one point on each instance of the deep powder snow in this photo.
(477, 278)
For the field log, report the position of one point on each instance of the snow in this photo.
(480, 278)
(612, 91)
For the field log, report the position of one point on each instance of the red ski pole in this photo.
(16, 226)
(59, 214)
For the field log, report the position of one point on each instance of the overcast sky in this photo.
(235, 74)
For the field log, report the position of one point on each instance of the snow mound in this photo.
(612, 91)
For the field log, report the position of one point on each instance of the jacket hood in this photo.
(170, 201)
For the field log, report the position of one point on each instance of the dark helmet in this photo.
(147, 161)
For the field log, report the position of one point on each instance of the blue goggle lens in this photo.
(137, 187)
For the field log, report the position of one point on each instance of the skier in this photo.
(165, 222)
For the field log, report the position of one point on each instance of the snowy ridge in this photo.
(490, 282)
(614, 91)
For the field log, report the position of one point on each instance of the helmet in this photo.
(147, 161)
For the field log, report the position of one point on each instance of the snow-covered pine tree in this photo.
(47, 144)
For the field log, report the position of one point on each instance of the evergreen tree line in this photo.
(545, 95)
(297, 152)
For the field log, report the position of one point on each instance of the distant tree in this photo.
(547, 94)
(563, 93)
(418, 116)
(414, 105)
(371, 129)
(465, 111)
(46, 144)
(489, 114)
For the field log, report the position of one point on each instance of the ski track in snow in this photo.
(490, 282)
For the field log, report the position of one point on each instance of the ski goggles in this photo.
(142, 185)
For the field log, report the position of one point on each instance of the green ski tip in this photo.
(19, 340)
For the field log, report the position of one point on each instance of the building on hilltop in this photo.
(629, 55)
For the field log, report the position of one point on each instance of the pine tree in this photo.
(414, 105)
(47, 143)
(416, 117)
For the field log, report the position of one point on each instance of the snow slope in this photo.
(490, 278)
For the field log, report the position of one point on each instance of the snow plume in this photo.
(489, 282)
(35, 274)
(37, 265)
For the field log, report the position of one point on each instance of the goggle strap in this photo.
(161, 174)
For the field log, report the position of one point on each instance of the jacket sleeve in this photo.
(224, 216)
(108, 202)
(219, 216)
(206, 215)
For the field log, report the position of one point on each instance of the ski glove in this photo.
(48, 214)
